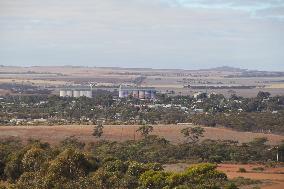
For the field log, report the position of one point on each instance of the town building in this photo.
(137, 92)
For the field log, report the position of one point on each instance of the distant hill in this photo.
(228, 69)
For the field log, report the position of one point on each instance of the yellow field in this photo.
(30, 81)
(276, 86)
(55, 134)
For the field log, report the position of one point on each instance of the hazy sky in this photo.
(187, 34)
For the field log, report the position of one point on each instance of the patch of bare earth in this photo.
(273, 176)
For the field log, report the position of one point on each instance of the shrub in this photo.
(242, 170)
(258, 169)
(241, 181)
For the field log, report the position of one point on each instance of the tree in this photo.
(202, 175)
(69, 165)
(193, 134)
(14, 167)
(263, 95)
(34, 159)
(281, 151)
(199, 176)
(72, 142)
(145, 130)
(153, 179)
(98, 130)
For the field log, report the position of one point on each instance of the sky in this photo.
(183, 34)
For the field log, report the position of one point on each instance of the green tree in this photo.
(72, 142)
(153, 179)
(200, 176)
(193, 134)
(34, 159)
(98, 130)
(145, 130)
(14, 167)
(263, 95)
(68, 166)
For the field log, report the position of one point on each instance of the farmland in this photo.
(226, 81)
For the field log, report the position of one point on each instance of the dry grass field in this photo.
(54, 134)
(4, 92)
(276, 86)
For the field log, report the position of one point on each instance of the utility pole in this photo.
(91, 87)
(277, 154)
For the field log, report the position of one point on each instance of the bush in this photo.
(231, 185)
(241, 181)
(260, 169)
(242, 170)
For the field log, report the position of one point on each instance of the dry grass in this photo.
(4, 92)
(54, 134)
(32, 81)
(276, 86)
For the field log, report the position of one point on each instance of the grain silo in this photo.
(69, 93)
(62, 93)
(135, 93)
(121, 93)
(125, 93)
(153, 94)
(89, 94)
(148, 94)
(141, 94)
(82, 93)
(76, 94)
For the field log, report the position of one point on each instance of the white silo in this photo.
(135, 93)
(148, 94)
(121, 93)
(125, 93)
(62, 93)
(76, 94)
(142, 94)
(69, 93)
(89, 94)
(82, 93)
(153, 94)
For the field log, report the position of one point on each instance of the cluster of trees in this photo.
(155, 149)
(256, 122)
(70, 165)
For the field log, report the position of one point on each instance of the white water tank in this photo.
(62, 93)
(141, 94)
(76, 94)
(153, 94)
(135, 93)
(148, 94)
(69, 93)
(121, 93)
(82, 93)
(89, 94)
